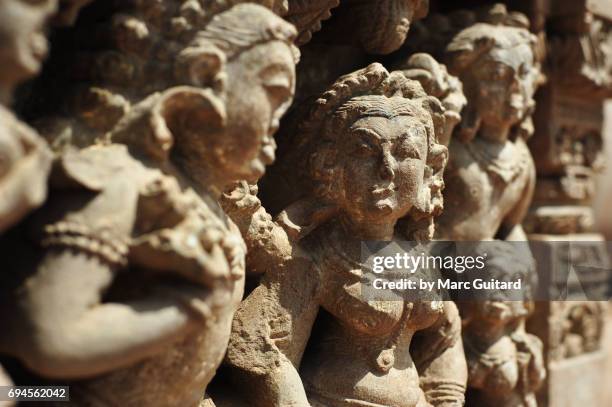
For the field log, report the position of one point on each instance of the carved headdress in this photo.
(154, 61)
(369, 92)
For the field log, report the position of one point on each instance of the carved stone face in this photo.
(261, 83)
(23, 44)
(507, 84)
(383, 166)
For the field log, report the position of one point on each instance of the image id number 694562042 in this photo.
(34, 393)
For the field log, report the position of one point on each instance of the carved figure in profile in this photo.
(490, 175)
(305, 336)
(24, 158)
(141, 271)
(505, 363)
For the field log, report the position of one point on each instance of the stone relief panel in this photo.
(140, 271)
(570, 119)
(124, 281)
(580, 329)
(569, 144)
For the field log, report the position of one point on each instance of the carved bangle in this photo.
(444, 392)
(102, 244)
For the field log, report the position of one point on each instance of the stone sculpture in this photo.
(490, 175)
(123, 283)
(356, 30)
(505, 362)
(24, 158)
(141, 271)
(371, 153)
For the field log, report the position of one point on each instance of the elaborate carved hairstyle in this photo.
(437, 82)
(461, 38)
(148, 47)
(370, 92)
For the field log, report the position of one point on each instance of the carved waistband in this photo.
(318, 400)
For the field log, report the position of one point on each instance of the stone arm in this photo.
(269, 334)
(62, 327)
(511, 228)
(64, 331)
(440, 360)
(271, 243)
(268, 245)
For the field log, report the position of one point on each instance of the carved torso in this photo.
(25, 162)
(484, 185)
(361, 350)
(152, 225)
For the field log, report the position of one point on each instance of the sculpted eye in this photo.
(407, 149)
(277, 83)
(365, 149)
(366, 142)
(499, 73)
(408, 144)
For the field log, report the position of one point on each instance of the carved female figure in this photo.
(373, 154)
(490, 174)
(505, 363)
(142, 271)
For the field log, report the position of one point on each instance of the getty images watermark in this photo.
(489, 270)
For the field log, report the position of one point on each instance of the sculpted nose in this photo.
(388, 166)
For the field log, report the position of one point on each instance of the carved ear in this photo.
(201, 65)
(184, 109)
(154, 124)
